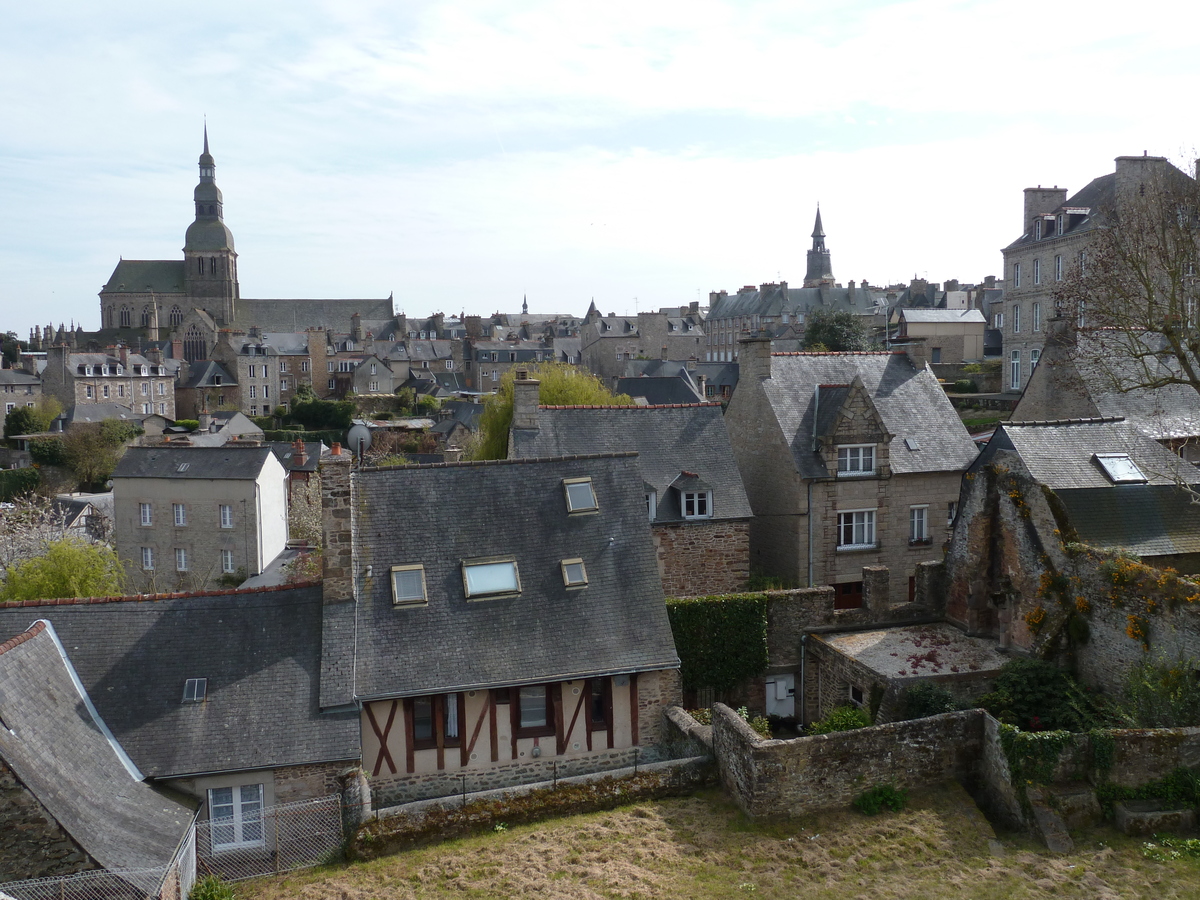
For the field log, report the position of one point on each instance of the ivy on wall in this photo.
(721, 641)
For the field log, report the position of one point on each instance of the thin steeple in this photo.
(820, 269)
(818, 229)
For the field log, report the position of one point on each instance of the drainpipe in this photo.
(803, 694)
(810, 534)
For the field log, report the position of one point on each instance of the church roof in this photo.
(208, 233)
(294, 315)
(163, 276)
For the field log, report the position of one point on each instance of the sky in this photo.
(464, 156)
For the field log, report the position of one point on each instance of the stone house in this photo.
(1056, 232)
(849, 460)
(698, 512)
(189, 516)
(144, 383)
(607, 343)
(484, 653)
(950, 336)
(213, 696)
(489, 360)
(19, 387)
(71, 800)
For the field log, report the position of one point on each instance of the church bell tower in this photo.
(210, 262)
(820, 268)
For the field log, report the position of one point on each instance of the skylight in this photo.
(580, 496)
(194, 690)
(490, 577)
(408, 585)
(574, 574)
(1119, 468)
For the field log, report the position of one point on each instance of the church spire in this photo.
(818, 229)
(820, 268)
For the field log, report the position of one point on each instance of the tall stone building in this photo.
(820, 266)
(194, 298)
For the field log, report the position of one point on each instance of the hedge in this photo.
(721, 641)
(15, 482)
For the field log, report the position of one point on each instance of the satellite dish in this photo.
(358, 439)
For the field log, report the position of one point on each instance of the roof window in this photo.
(1119, 468)
(182, 467)
(195, 690)
(574, 574)
(408, 586)
(580, 496)
(490, 577)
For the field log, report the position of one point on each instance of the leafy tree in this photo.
(11, 348)
(322, 415)
(92, 450)
(561, 385)
(836, 330)
(67, 568)
(47, 451)
(304, 392)
(32, 419)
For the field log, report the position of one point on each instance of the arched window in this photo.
(145, 316)
(125, 317)
(212, 210)
(176, 316)
(194, 345)
(212, 265)
(200, 264)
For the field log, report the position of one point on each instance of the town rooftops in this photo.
(60, 748)
(470, 587)
(930, 316)
(229, 461)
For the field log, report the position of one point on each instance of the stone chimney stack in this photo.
(754, 357)
(205, 420)
(176, 348)
(525, 399)
(1039, 201)
(299, 454)
(123, 352)
(336, 509)
(356, 330)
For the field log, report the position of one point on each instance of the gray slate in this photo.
(229, 461)
(910, 402)
(61, 752)
(259, 651)
(293, 315)
(163, 276)
(438, 516)
(668, 441)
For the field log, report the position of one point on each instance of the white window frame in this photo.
(918, 524)
(1016, 275)
(652, 504)
(855, 460)
(1016, 318)
(146, 514)
(1037, 316)
(697, 504)
(244, 824)
(148, 559)
(181, 559)
(1014, 370)
(409, 595)
(1058, 267)
(227, 565)
(490, 577)
(855, 524)
(179, 511)
(1034, 355)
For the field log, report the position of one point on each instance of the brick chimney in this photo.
(123, 352)
(525, 399)
(754, 356)
(299, 454)
(336, 509)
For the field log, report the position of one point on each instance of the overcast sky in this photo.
(462, 155)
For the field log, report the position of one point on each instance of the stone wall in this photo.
(697, 559)
(294, 783)
(804, 775)
(32, 843)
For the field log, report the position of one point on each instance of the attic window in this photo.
(856, 460)
(574, 574)
(408, 586)
(580, 496)
(182, 467)
(1119, 468)
(490, 578)
(697, 504)
(195, 690)
(912, 443)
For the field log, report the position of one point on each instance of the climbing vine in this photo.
(722, 641)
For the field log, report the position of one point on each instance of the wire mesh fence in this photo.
(101, 884)
(275, 839)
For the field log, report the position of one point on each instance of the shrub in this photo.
(1037, 696)
(722, 640)
(16, 482)
(966, 386)
(881, 797)
(844, 718)
(759, 723)
(1161, 693)
(189, 424)
(928, 699)
(47, 451)
(211, 887)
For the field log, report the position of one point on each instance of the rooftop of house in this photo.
(928, 435)
(659, 390)
(205, 373)
(259, 652)
(930, 316)
(776, 299)
(918, 650)
(230, 461)
(60, 748)
(668, 440)
(502, 532)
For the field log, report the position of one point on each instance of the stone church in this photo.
(195, 298)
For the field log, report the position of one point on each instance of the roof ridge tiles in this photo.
(154, 598)
(33, 631)
(1089, 420)
(837, 353)
(520, 461)
(634, 406)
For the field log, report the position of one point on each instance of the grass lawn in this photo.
(702, 847)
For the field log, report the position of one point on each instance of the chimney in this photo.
(989, 283)
(205, 420)
(123, 351)
(1039, 201)
(299, 454)
(452, 454)
(525, 399)
(154, 355)
(176, 348)
(754, 357)
(336, 507)
(356, 332)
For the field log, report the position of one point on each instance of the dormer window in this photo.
(408, 586)
(1037, 230)
(574, 574)
(697, 504)
(856, 460)
(652, 503)
(195, 690)
(580, 496)
(87, 370)
(490, 577)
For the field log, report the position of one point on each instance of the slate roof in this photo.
(1098, 196)
(659, 390)
(260, 652)
(292, 315)
(1146, 519)
(18, 377)
(229, 461)
(514, 509)
(910, 402)
(285, 452)
(205, 372)
(1061, 454)
(668, 441)
(773, 300)
(163, 276)
(98, 412)
(959, 316)
(61, 750)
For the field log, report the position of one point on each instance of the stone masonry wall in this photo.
(32, 843)
(697, 559)
(294, 783)
(804, 775)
